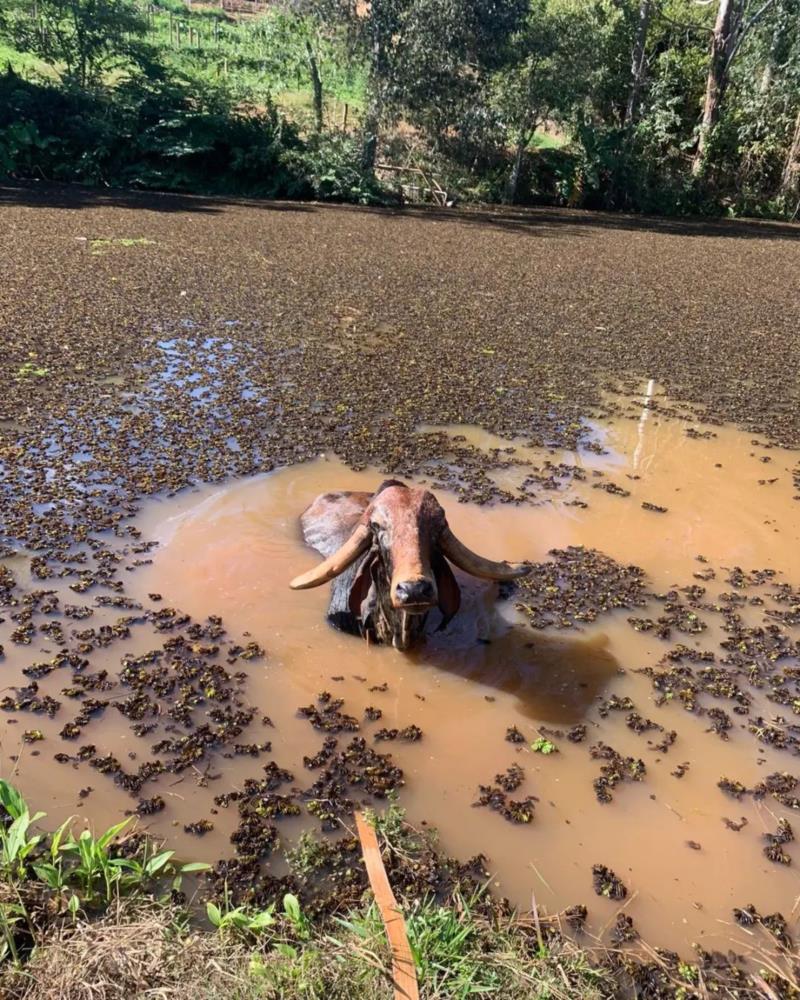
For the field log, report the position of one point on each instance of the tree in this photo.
(85, 38)
(527, 86)
(298, 20)
(316, 84)
(730, 31)
(550, 72)
(790, 178)
(723, 39)
(638, 59)
(422, 56)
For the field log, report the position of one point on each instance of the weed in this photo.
(12, 914)
(16, 842)
(31, 370)
(242, 919)
(299, 922)
(91, 865)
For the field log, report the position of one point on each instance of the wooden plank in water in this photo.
(404, 972)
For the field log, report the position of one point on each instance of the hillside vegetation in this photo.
(666, 106)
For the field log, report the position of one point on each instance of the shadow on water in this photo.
(533, 221)
(31, 194)
(554, 679)
(548, 220)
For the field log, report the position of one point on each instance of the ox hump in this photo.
(329, 521)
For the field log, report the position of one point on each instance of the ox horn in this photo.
(458, 554)
(356, 545)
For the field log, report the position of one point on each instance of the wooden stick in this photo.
(404, 972)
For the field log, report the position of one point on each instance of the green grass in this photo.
(139, 949)
(256, 58)
(24, 63)
(546, 140)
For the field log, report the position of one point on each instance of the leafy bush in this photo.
(148, 134)
(333, 161)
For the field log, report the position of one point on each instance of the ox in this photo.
(387, 553)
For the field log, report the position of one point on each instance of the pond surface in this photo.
(730, 502)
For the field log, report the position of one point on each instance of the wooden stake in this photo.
(404, 972)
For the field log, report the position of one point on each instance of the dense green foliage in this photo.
(152, 134)
(647, 105)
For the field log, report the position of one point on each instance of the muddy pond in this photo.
(624, 703)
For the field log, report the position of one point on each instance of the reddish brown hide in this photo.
(387, 553)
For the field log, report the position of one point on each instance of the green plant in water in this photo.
(90, 863)
(31, 369)
(52, 872)
(543, 746)
(102, 875)
(94, 871)
(99, 246)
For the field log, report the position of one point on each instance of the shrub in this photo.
(148, 134)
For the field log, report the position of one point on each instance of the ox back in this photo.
(327, 524)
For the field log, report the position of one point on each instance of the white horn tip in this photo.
(303, 582)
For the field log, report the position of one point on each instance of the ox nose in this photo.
(415, 592)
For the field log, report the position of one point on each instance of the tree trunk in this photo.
(637, 60)
(369, 147)
(722, 42)
(512, 188)
(316, 85)
(372, 119)
(790, 180)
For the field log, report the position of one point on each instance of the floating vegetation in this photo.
(607, 883)
(773, 850)
(99, 246)
(576, 586)
(153, 391)
(521, 811)
(616, 770)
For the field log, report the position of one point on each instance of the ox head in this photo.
(397, 559)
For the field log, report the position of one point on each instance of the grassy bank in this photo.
(115, 917)
(112, 916)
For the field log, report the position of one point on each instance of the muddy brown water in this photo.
(231, 550)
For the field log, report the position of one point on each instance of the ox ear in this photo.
(448, 589)
(361, 585)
